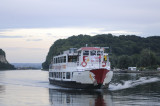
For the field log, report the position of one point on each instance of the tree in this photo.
(124, 62)
(147, 58)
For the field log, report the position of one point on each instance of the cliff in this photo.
(126, 50)
(4, 65)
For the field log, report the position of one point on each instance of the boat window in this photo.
(85, 53)
(56, 60)
(79, 53)
(54, 74)
(59, 75)
(61, 59)
(64, 59)
(99, 53)
(93, 53)
(73, 50)
(50, 74)
(69, 59)
(67, 75)
(63, 75)
(72, 58)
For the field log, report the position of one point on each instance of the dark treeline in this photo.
(125, 51)
(6, 66)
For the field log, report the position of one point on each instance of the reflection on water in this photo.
(2, 88)
(79, 97)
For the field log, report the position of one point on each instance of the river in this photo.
(31, 88)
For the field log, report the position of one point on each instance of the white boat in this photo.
(84, 68)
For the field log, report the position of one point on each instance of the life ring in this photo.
(84, 63)
(103, 64)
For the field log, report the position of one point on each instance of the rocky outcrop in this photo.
(4, 65)
(3, 59)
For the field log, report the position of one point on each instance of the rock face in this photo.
(3, 59)
(3, 62)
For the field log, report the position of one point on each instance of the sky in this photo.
(29, 27)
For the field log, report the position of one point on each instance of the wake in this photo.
(132, 83)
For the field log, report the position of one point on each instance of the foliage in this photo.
(124, 62)
(2, 52)
(6, 66)
(130, 47)
(147, 58)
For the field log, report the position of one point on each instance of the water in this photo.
(31, 88)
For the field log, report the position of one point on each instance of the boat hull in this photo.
(75, 85)
(93, 79)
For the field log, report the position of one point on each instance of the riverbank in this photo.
(144, 72)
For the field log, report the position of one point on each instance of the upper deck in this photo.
(85, 58)
(89, 48)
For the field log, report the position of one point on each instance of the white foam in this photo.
(132, 83)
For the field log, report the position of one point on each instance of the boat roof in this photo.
(89, 48)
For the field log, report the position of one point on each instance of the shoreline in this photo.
(138, 72)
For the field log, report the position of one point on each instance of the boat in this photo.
(83, 68)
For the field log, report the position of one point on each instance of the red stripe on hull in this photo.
(100, 75)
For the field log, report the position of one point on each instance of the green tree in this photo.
(147, 58)
(124, 62)
(114, 61)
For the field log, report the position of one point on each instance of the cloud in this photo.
(113, 14)
(34, 39)
(119, 32)
(49, 34)
(6, 36)
(24, 48)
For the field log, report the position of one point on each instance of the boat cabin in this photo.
(85, 58)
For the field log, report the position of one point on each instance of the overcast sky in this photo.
(29, 27)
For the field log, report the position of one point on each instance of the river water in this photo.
(31, 88)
